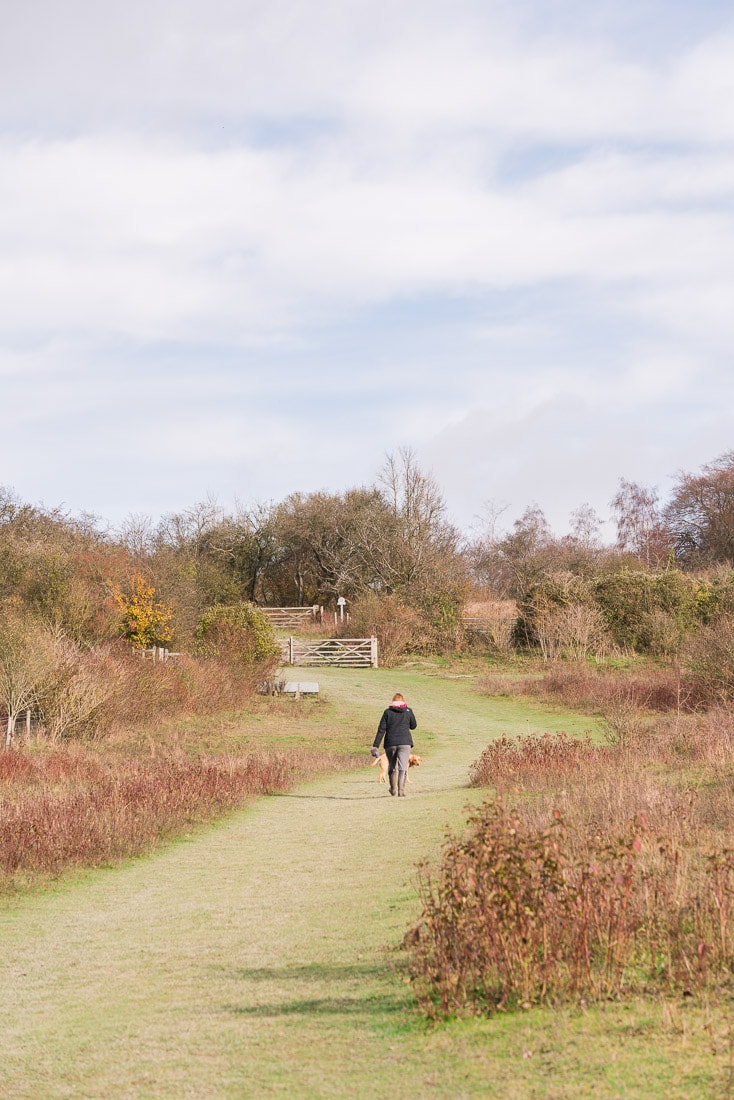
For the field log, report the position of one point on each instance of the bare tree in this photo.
(246, 543)
(420, 548)
(700, 514)
(480, 549)
(641, 529)
(186, 531)
(586, 527)
(137, 534)
(525, 553)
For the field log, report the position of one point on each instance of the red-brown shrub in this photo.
(520, 915)
(598, 870)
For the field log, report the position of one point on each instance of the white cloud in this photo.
(240, 200)
(572, 452)
(168, 241)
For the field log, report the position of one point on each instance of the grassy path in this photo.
(256, 959)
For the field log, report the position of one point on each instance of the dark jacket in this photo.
(395, 726)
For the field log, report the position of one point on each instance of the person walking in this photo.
(395, 726)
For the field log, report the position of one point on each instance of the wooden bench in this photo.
(288, 687)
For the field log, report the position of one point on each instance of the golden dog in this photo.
(414, 761)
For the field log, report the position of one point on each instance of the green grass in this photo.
(259, 958)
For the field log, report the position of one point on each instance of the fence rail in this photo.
(24, 722)
(476, 623)
(341, 652)
(156, 653)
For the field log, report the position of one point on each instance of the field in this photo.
(261, 956)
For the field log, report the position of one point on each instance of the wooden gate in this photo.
(340, 652)
(288, 618)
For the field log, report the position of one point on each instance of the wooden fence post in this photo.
(290, 650)
(373, 651)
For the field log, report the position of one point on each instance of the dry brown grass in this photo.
(584, 687)
(673, 773)
(90, 694)
(74, 806)
(173, 745)
(141, 692)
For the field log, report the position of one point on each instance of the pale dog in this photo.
(414, 761)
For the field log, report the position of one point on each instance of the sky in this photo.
(250, 248)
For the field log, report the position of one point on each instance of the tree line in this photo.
(389, 548)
